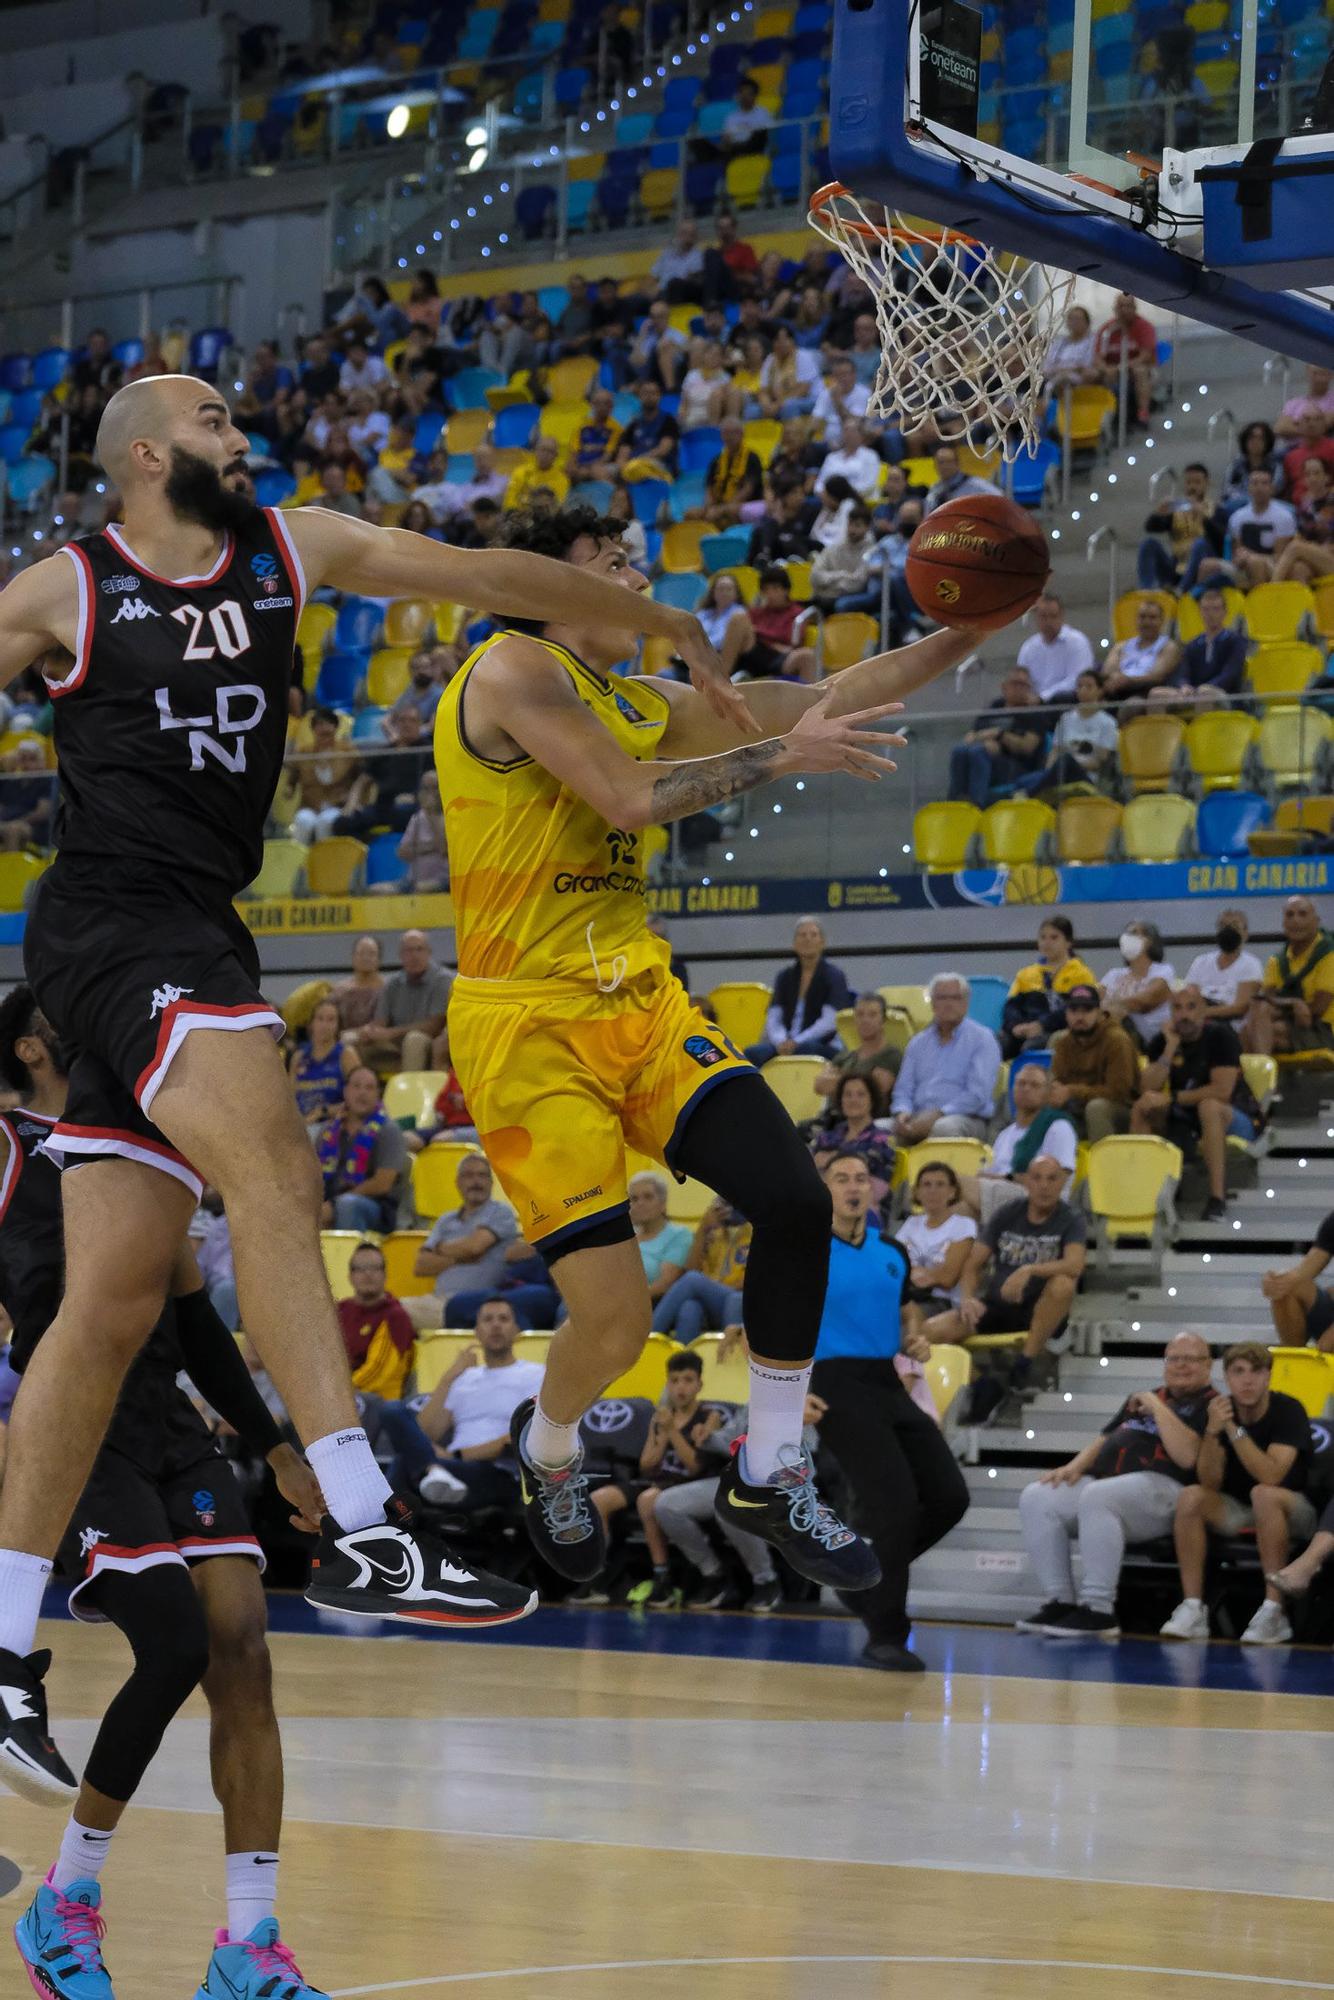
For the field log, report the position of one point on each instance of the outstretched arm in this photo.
(39, 610)
(509, 583)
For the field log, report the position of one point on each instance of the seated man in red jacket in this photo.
(377, 1332)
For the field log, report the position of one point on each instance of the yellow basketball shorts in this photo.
(560, 1080)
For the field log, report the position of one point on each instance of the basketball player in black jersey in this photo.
(161, 1536)
(168, 647)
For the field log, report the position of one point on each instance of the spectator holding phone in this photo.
(707, 1295)
(1292, 1011)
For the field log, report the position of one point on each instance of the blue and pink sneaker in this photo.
(259, 1967)
(59, 1937)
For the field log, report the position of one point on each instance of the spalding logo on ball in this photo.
(978, 561)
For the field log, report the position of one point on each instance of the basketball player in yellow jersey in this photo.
(572, 1040)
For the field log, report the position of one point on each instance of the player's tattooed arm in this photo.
(706, 781)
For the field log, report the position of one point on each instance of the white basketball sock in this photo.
(550, 1445)
(83, 1853)
(252, 1891)
(777, 1400)
(22, 1582)
(355, 1490)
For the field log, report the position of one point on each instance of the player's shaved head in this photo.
(149, 411)
(170, 440)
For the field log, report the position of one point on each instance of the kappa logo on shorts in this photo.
(166, 996)
(205, 1507)
(701, 1050)
(89, 1539)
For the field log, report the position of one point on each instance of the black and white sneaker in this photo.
(1083, 1622)
(1050, 1613)
(398, 1569)
(715, 1594)
(563, 1524)
(790, 1515)
(765, 1598)
(30, 1763)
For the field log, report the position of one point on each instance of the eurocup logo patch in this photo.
(206, 1507)
(701, 1050)
(264, 569)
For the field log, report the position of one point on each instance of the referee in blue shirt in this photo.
(907, 1490)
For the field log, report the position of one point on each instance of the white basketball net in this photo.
(964, 328)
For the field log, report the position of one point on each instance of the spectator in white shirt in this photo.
(1259, 532)
(1229, 976)
(789, 379)
(678, 271)
(937, 1241)
(747, 123)
(854, 461)
(1082, 743)
(951, 482)
(361, 369)
(1137, 994)
(1319, 396)
(456, 1447)
(1146, 659)
(367, 427)
(841, 397)
(1057, 653)
(1055, 1139)
(658, 351)
(1071, 358)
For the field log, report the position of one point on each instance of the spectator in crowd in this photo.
(361, 369)
(318, 371)
(357, 995)
(1229, 976)
(841, 577)
(385, 793)
(409, 1011)
(334, 493)
(506, 346)
(1311, 445)
(1251, 1472)
(540, 469)
(706, 389)
(857, 1106)
(734, 478)
(947, 1084)
(1187, 519)
(1127, 341)
(671, 1457)
(465, 1250)
(1072, 357)
(841, 400)
(783, 535)
(865, 352)
(650, 442)
(726, 620)
(1309, 554)
(775, 619)
(1022, 1274)
(909, 1491)
(1137, 664)
(266, 376)
(1303, 1311)
(455, 1450)
(429, 671)
(363, 1159)
(1137, 993)
(1194, 1090)
(211, 1235)
(870, 1055)
(951, 481)
(1257, 449)
(937, 1234)
(1034, 1007)
(1039, 1129)
(320, 1065)
(325, 776)
(27, 797)
(1094, 1068)
(664, 1246)
(488, 483)
(1317, 399)
(377, 1333)
(658, 351)
(1056, 654)
(425, 305)
(836, 501)
(450, 1117)
(746, 127)
(1124, 1487)
(634, 537)
(1259, 531)
(678, 269)
(1291, 1013)
(592, 453)
(684, 1509)
(1212, 664)
(422, 848)
(1295, 1578)
(1083, 742)
(733, 267)
(416, 520)
(707, 1295)
(789, 379)
(802, 1019)
(1006, 744)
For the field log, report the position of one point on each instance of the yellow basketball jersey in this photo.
(543, 887)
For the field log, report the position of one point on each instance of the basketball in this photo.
(977, 561)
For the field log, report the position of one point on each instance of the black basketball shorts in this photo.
(124, 972)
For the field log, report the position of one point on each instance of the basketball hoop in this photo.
(964, 328)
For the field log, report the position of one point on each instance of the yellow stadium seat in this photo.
(1324, 606)
(563, 421)
(1283, 668)
(1128, 603)
(448, 619)
(282, 871)
(1219, 78)
(467, 429)
(1012, 830)
(655, 654)
(299, 1007)
(978, 464)
(773, 21)
(1086, 416)
(1261, 1073)
(648, 1377)
(799, 581)
(687, 1200)
(762, 436)
(436, 1352)
(1276, 611)
(313, 628)
(19, 873)
(1189, 622)
(682, 317)
(1307, 1374)
(966, 1156)
(1085, 828)
(658, 188)
(941, 833)
(911, 1001)
(387, 675)
(745, 178)
(768, 76)
(845, 638)
(1157, 826)
(408, 621)
(919, 471)
(409, 1096)
(741, 1005)
(792, 1080)
(680, 547)
(569, 380)
(400, 1254)
(1206, 17)
(533, 1347)
(724, 1381)
(335, 867)
(1292, 746)
(1147, 750)
(1314, 813)
(434, 1187)
(949, 1370)
(1131, 1185)
(1216, 746)
(336, 1247)
(586, 166)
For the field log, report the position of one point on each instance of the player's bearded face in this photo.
(215, 498)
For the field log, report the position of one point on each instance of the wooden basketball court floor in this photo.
(622, 1808)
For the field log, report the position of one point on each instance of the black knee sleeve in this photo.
(741, 1142)
(160, 1614)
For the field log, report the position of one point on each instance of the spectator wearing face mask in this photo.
(1138, 993)
(1229, 976)
(429, 670)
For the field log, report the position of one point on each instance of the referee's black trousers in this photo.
(907, 1489)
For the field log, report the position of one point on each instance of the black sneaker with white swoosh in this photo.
(790, 1515)
(398, 1569)
(30, 1763)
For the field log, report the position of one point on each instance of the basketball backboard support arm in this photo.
(874, 152)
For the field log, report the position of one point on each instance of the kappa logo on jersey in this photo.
(89, 1539)
(166, 996)
(131, 608)
(112, 584)
(236, 711)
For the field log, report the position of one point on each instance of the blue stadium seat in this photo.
(15, 371)
(544, 38)
(570, 87)
(13, 439)
(553, 300)
(579, 203)
(382, 862)
(986, 1000)
(467, 390)
(51, 366)
(592, 493)
(5, 401)
(685, 493)
(699, 448)
(1225, 821)
(703, 179)
(534, 207)
(679, 93)
(426, 436)
(367, 726)
(626, 407)
(646, 497)
(357, 625)
(274, 486)
(30, 477)
(128, 353)
(673, 124)
(664, 153)
(614, 199)
(713, 116)
(725, 550)
(528, 96)
(460, 468)
(634, 128)
(207, 348)
(339, 677)
(785, 176)
(683, 591)
(27, 407)
(1026, 478)
(514, 426)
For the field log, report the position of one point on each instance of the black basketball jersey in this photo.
(171, 724)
